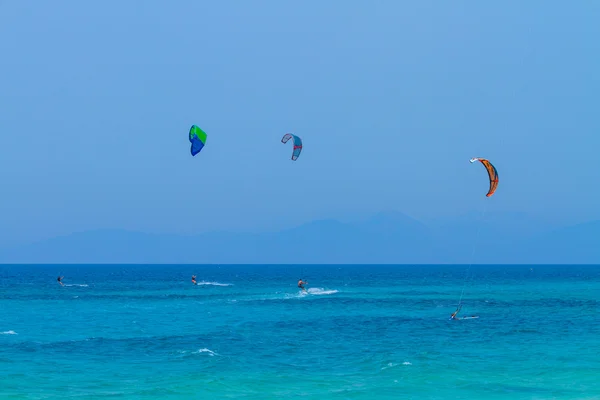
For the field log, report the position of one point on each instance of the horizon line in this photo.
(311, 264)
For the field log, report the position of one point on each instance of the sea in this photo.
(248, 332)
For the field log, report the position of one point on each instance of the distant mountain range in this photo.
(386, 238)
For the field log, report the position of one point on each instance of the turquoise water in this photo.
(362, 332)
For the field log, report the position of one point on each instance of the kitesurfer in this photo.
(455, 313)
(59, 279)
(194, 279)
(301, 284)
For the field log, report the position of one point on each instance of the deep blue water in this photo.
(362, 332)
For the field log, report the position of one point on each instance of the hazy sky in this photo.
(392, 99)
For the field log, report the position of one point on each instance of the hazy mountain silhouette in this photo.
(577, 244)
(492, 237)
(384, 238)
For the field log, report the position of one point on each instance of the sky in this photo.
(391, 99)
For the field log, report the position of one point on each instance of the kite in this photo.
(492, 173)
(297, 144)
(197, 138)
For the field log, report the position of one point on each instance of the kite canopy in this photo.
(197, 138)
(297, 145)
(492, 174)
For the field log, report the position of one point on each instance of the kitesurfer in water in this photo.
(455, 313)
(301, 284)
(59, 279)
(194, 279)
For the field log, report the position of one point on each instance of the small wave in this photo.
(8, 333)
(214, 283)
(389, 365)
(210, 352)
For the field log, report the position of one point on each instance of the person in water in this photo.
(59, 279)
(455, 313)
(301, 284)
(194, 279)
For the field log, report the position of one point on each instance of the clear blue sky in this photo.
(392, 98)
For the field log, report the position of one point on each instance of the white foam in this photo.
(77, 284)
(406, 363)
(389, 365)
(320, 291)
(214, 283)
(210, 352)
(8, 333)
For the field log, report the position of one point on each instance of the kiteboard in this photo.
(450, 319)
